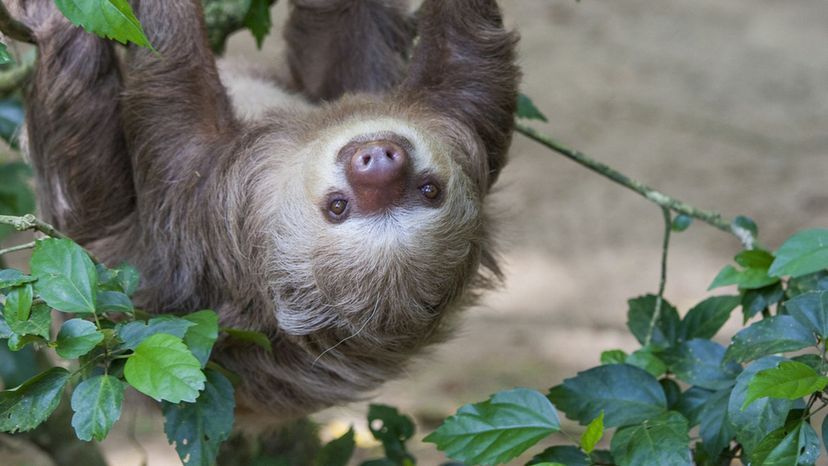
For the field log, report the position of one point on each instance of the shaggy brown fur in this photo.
(220, 212)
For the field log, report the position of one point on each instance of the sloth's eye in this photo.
(430, 191)
(337, 207)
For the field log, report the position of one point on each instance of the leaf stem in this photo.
(662, 282)
(709, 217)
(21, 247)
(14, 28)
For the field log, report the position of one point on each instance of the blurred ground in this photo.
(721, 104)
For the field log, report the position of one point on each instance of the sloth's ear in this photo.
(464, 67)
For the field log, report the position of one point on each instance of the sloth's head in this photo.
(378, 229)
(383, 231)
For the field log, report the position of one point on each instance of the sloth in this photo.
(340, 211)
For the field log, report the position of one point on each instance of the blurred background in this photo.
(723, 104)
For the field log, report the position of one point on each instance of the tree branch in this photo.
(662, 282)
(12, 249)
(709, 217)
(30, 222)
(13, 28)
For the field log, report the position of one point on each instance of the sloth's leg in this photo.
(464, 67)
(75, 137)
(339, 46)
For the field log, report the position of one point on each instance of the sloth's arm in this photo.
(76, 141)
(177, 113)
(339, 46)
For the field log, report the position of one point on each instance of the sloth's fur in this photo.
(219, 205)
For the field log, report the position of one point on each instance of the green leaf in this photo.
(11, 120)
(18, 305)
(76, 338)
(613, 357)
(593, 434)
(803, 253)
(700, 362)
(811, 310)
(258, 20)
(66, 276)
(790, 380)
(133, 333)
(660, 441)
(756, 301)
(164, 369)
(647, 360)
(201, 336)
(746, 279)
(249, 336)
(27, 406)
(777, 334)
(817, 281)
(672, 391)
(97, 406)
(640, 314)
(824, 430)
(755, 258)
(38, 323)
(497, 430)
(337, 452)
(762, 416)
(5, 57)
(692, 403)
(110, 19)
(798, 445)
(198, 429)
(681, 223)
(114, 301)
(814, 361)
(707, 317)
(16, 368)
(742, 222)
(528, 110)
(568, 455)
(24, 319)
(626, 394)
(392, 429)
(10, 278)
(128, 279)
(715, 428)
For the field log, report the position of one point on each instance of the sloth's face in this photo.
(388, 231)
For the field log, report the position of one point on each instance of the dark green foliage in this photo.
(199, 428)
(625, 394)
(527, 109)
(112, 19)
(393, 430)
(497, 430)
(338, 452)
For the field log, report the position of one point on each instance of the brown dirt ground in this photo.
(721, 104)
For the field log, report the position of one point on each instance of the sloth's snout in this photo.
(378, 175)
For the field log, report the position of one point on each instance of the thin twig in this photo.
(21, 247)
(30, 222)
(665, 248)
(14, 28)
(709, 217)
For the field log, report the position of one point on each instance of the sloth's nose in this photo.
(377, 173)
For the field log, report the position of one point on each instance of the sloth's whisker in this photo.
(369, 319)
